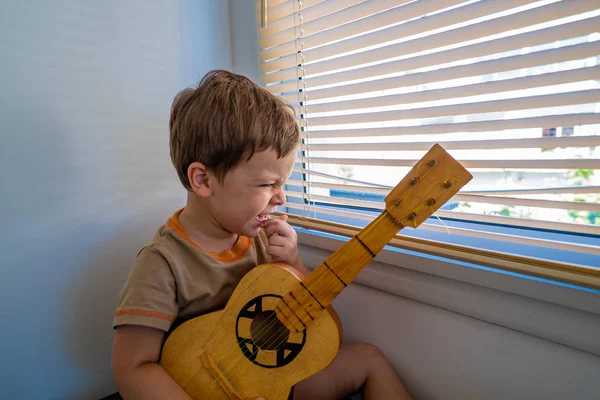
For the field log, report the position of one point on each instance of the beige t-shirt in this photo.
(173, 279)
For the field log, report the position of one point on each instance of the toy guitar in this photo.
(276, 331)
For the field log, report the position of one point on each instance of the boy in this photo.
(233, 145)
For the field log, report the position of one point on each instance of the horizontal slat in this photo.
(342, 17)
(315, 12)
(352, 188)
(384, 190)
(285, 9)
(479, 30)
(552, 244)
(553, 190)
(376, 21)
(531, 102)
(472, 198)
(542, 143)
(590, 163)
(338, 200)
(494, 87)
(545, 57)
(479, 126)
(514, 42)
(317, 173)
(522, 222)
(513, 201)
(330, 211)
(362, 25)
(468, 232)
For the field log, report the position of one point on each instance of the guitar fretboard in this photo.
(307, 299)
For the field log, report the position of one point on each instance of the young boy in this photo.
(233, 145)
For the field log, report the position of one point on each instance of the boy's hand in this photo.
(283, 241)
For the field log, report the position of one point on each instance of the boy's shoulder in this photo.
(163, 241)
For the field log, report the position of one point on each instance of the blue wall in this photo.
(85, 175)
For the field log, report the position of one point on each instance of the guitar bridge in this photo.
(219, 376)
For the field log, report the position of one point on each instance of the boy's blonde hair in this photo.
(224, 121)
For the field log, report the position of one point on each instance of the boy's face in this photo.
(250, 192)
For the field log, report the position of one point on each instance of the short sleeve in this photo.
(149, 296)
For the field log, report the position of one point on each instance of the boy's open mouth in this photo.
(262, 217)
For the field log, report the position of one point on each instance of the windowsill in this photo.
(555, 311)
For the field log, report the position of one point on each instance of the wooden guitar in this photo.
(276, 331)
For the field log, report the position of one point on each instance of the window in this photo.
(511, 88)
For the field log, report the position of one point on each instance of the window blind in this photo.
(510, 88)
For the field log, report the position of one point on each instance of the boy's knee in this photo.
(367, 352)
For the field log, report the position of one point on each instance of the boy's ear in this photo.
(200, 179)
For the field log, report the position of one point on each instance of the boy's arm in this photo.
(136, 350)
(299, 265)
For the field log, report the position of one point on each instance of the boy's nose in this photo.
(279, 198)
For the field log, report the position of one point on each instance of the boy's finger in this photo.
(276, 252)
(282, 218)
(277, 226)
(269, 221)
(277, 240)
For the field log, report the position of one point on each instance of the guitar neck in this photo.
(342, 267)
(428, 185)
(310, 297)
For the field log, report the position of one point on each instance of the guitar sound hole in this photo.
(268, 333)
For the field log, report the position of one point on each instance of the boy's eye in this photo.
(266, 185)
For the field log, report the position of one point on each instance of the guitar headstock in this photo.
(429, 184)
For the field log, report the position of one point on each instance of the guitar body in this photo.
(242, 352)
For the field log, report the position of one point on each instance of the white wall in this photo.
(85, 175)
(243, 39)
(444, 355)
